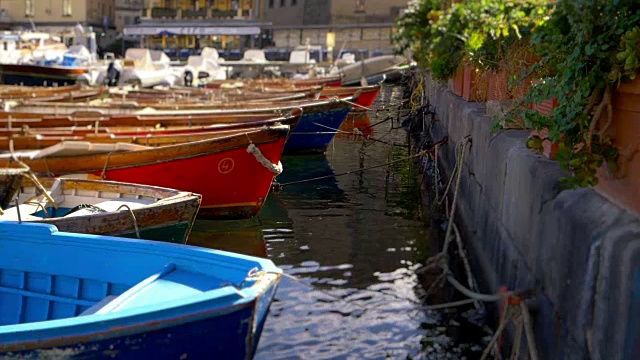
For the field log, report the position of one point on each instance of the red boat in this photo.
(233, 173)
(368, 94)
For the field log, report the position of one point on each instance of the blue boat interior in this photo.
(32, 296)
(50, 275)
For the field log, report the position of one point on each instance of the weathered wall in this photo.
(580, 252)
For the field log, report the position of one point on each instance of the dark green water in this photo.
(357, 240)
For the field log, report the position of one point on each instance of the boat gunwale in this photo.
(163, 154)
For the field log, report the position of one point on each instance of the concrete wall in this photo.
(577, 250)
(355, 38)
(317, 12)
(50, 13)
(126, 11)
(283, 15)
(346, 12)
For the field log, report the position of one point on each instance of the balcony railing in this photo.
(157, 12)
(202, 13)
(205, 13)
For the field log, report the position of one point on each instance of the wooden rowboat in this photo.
(333, 80)
(15, 91)
(368, 94)
(108, 208)
(36, 75)
(39, 138)
(232, 173)
(67, 295)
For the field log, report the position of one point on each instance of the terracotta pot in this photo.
(546, 107)
(497, 85)
(623, 187)
(474, 87)
(457, 82)
(549, 149)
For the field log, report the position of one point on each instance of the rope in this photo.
(356, 105)
(528, 330)
(520, 315)
(103, 175)
(37, 205)
(133, 216)
(276, 169)
(40, 187)
(422, 153)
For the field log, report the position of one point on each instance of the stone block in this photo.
(531, 180)
(616, 324)
(578, 251)
(572, 224)
(495, 168)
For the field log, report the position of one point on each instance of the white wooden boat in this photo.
(106, 208)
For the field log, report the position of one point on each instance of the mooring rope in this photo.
(135, 221)
(421, 153)
(520, 314)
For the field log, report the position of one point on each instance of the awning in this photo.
(191, 30)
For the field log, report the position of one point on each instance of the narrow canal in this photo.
(354, 242)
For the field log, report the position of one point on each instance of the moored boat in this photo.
(232, 173)
(317, 126)
(107, 208)
(368, 94)
(39, 75)
(70, 295)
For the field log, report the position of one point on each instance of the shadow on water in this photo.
(358, 240)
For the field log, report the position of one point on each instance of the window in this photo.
(271, 3)
(66, 7)
(28, 8)
(283, 3)
(294, 2)
(360, 6)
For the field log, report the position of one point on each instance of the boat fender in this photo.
(188, 78)
(274, 168)
(113, 74)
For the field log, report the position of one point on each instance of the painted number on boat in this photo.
(226, 165)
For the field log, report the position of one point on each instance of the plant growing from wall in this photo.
(414, 29)
(476, 29)
(581, 63)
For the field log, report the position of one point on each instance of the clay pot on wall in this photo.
(456, 83)
(473, 87)
(624, 186)
(497, 85)
(539, 141)
(546, 107)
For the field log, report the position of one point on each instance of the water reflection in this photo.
(359, 120)
(357, 240)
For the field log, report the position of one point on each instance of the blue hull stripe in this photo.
(315, 131)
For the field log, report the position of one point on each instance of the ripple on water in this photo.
(354, 242)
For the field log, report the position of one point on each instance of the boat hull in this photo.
(227, 334)
(232, 183)
(366, 98)
(208, 320)
(317, 128)
(34, 75)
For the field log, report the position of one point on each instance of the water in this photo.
(355, 241)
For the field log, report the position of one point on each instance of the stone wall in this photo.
(577, 250)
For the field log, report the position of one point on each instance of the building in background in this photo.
(188, 25)
(127, 12)
(57, 17)
(361, 25)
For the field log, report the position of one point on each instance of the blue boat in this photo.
(77, 296)
(318, 125)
